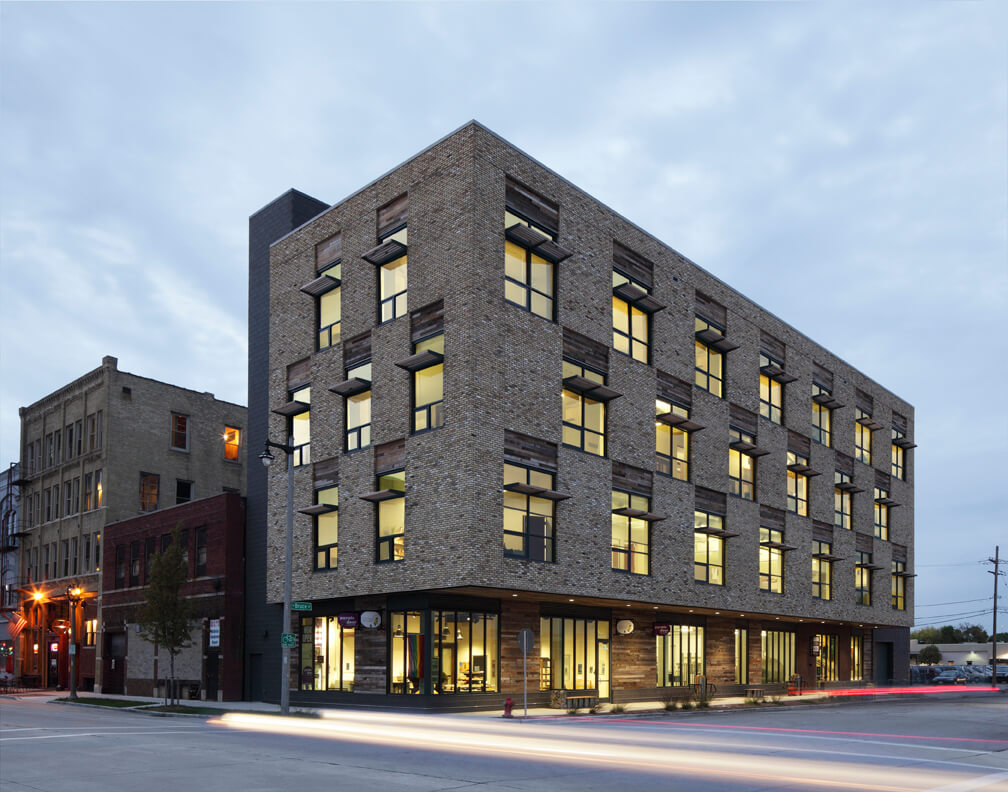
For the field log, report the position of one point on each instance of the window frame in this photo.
(843, 501)
(399, 233)
(329, 549)
(703, 519)
(769, 581)
(707, 353)
(360, 433)
(797, 486)
(737, 484)
(526, 287)
(674, 462)
(176, 433)
(880, 524)
(230, 432)
(433, 412)
(897, 466)
(527, 501)
(771, 392)
(822, 434)
(150, 486)
(582, 402)
(396, 550)
(822, 571)
(862, 452)
(300, 451)
(333, 337)
(863, 578)
(632, 312)
(898, 585)
(624, 529)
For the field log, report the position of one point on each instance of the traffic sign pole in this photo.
(526, 642)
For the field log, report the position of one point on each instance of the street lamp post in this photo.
(266, 457)
(73, 593)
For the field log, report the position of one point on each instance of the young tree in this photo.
(929, 655)
(165, 618)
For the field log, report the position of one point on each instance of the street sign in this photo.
(214, 641)
(288, 640)
(526, 640)
(303, 606)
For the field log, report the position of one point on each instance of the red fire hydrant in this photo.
(508, 706)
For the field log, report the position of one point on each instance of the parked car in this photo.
(950, 677)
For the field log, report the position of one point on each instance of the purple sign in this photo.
(661, 628)
(348, 621)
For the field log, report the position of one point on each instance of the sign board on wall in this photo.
(214, 633)
(348, 621)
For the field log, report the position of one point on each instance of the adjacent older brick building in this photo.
(106, 447)
(512, 408)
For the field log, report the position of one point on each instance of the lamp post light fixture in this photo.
(73, 594)
(266, 457)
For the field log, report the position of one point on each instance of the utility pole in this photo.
(994, 658)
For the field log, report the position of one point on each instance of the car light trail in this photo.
(893, 691)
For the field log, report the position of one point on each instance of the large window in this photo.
(201, 551)
(881, 513)
(574, 654)
(771, 392)
(428, 386)
(326, 527)
(391, 529)
(232, 441)
(797, 485)
(183, 491)
(358, 410)
(584, 419)
(822, 416)
(842, 500)
(179, 432)
(741, 655)
(528, 517)
(862, 436)
(898, 463)
(708, 548)
(741, 466)
(709, 373)
(631, 546)
(149, 483)
(826, 660)
(392, 281)
(120, 565)
(300, 427)
(330, 309)
(680, 655)
(528, 277)
(857, 658)
(863, 578)
(407, 652)
(899, 585)
(327, 654)
(671, 443)
(822, 570)
(777, 650)
(465, 651)
(631, 325)
(771, 560)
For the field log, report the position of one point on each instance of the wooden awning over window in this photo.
(721, 532)
(590, 389)
(382, 495)
(321, 285)
(847, 486)
(351, 387)
(638, 514)
(803, 470)
(715, 340)
(749, 449)
(775, 372)
(827, 557)
(421, 360)
(387, 251)
(869, 423)
(827, 401)
(637, 297)
(678, 421)
(778, 546)
(536, 492)
(292, 408)
(903, 443)
(538, 243)
(318, 508)
(886, 502)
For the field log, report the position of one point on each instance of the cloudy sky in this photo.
(843, 165)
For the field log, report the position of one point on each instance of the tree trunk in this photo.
(174, 692)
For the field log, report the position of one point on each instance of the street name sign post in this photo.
(301, 606)
(288, 640)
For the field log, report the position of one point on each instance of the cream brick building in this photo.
(513, 408)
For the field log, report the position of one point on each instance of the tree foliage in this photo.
(929, 655)
(166, 617)
(964, 633)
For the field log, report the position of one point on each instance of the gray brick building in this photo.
(512, 408)
(106, 447)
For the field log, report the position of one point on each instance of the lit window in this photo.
(857, 658)
(708, 548)
(771, 391)
(842, 496)
(584, 418)
(898, 466)
(528, 517)
(771, 560)
(631, 325)
(330, 308)
(680, 655)
(358, 410)
(741, 466)
(179, 432)
(709, 373)
(428, 386)
(631, 545)
(899, 585)
(741, 656)
(822, 570)
(90, 631)
(777, 655)
(326, 527)
(149, 491)
(862, 435)
(232, 440)
(528, 277)
(300, 427)
(671, 442)
(881, 513)
(826, 659)
(391, 530)
(392, 282)
(822, 415)
(862, 578)
(99, 490)
(797, 485)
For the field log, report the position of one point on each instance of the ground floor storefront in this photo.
(462, 651)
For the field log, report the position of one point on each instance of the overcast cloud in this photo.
(843, 165)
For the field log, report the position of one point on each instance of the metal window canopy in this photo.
(421, 360)
(715, 340)
(903, 443)
(637, 297)
(720, 532)
(803, 470)
(538, 492)
(887, 502)
(678, 421)
(826, 400)
(869, 567)
(318, 508)
(747, 448)
(775, 372)
(382, 495)
(778, 546)
(905, 574)
(387, 251)
(590, 388)
(321, 285)
(868, 423)
(847, 486)
(827, 557)
(540, 244)
(351, 387)
(638, 514)
(292, 408)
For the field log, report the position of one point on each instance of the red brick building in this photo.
(212, 531)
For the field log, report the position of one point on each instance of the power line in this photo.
(960, 563)
(957, 602)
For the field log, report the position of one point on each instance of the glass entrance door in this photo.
(603, 669)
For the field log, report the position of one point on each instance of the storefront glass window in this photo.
(680, 655)
(327, 654)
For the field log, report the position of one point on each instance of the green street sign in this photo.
(288, 640)
(303, 606)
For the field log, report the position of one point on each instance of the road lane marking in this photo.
(174, 730)
(972, 783)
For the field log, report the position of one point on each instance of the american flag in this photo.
(17, 624)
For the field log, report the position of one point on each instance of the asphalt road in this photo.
(952, 744)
